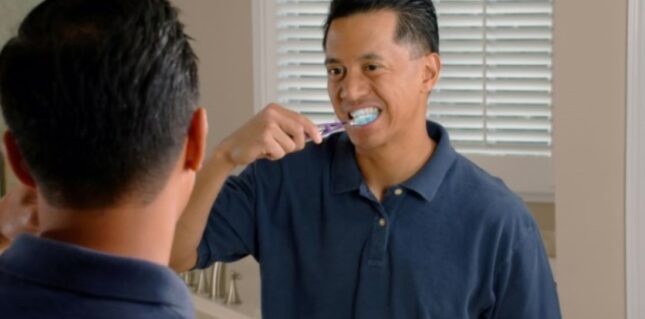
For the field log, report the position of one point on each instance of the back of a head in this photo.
(99, 96)
(417, 19)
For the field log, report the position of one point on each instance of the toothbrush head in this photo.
(364, 119)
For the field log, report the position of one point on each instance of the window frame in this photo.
(635, 163)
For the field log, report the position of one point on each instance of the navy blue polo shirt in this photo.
(41, 278)
(451, 242)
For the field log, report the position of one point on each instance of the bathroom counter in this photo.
(208, 309)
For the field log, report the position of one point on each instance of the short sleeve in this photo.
(524, 285)
(230, 232)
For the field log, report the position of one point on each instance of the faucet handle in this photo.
(218, 281)
(233, 297)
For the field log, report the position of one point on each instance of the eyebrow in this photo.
(371, 56)
(331, 61)
(366, 56)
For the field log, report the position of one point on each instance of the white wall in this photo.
(589, 138)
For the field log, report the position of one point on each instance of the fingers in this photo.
(272, 133)
(311, 130)
(276, 144)
(296, 125)
(295, 132)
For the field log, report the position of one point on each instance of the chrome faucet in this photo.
(211, 282)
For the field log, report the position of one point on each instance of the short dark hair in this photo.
(99, 96)
(417, 19)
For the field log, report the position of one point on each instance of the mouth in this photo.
(363, 116)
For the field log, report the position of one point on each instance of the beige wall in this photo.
(222, 31)
(589, 137)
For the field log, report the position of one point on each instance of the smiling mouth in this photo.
(364, 116)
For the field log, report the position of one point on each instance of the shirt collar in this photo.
(346, 176)
(69, 267)
(427, 180)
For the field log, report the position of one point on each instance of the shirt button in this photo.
(381, 222)
(398, 191)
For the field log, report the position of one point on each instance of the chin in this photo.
(366, 142)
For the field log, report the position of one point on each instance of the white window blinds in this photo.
(494, 95)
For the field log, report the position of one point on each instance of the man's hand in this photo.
(18, 214)
(272, 134)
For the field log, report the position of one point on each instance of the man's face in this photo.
(369, 71)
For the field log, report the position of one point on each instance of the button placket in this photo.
(378, 246)
(382, 221)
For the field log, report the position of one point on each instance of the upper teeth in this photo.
(363, 112)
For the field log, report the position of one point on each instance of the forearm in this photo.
(192, 223)
(271, 134)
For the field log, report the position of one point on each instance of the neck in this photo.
(127, 231)
(396, 161)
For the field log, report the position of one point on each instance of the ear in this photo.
(196, 144)
(16, 161)
(431, 71)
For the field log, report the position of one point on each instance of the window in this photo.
(494, 95)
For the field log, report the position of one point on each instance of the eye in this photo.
(372, 67)
(334, 71)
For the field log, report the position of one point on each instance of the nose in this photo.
(353, 87)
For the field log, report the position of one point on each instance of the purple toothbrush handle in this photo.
(328, 128)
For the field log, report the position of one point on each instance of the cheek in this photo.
(403, 89)
(332, 90)
(390, 91)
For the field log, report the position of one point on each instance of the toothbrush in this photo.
(327, 129)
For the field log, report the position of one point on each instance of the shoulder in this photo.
(487, 200)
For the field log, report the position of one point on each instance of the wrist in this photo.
(222, 158)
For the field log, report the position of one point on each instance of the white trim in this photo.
(257, 9)
(259, 48)
(635, 166)
(264, 70)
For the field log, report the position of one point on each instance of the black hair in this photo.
(417, 19)
(99, 96)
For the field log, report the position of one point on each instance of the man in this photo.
(383, 221)
(99, 98)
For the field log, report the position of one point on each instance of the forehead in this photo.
(362, 33)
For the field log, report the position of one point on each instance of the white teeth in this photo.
(364, 112)
(364, 116)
